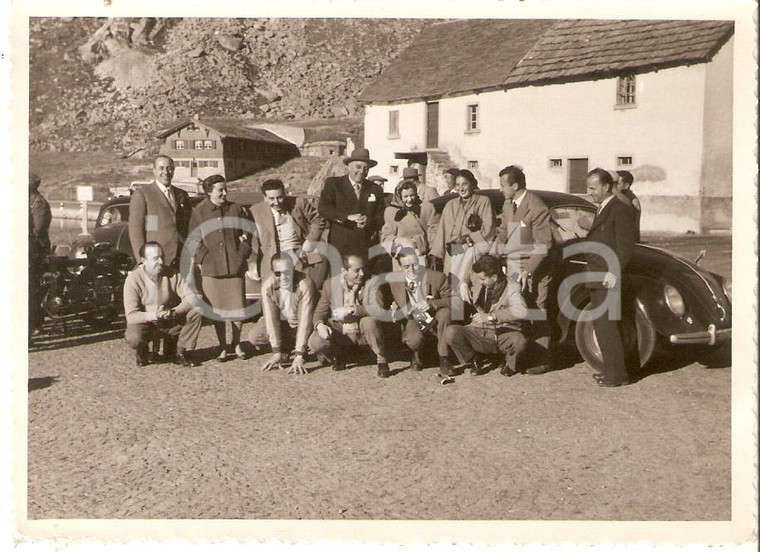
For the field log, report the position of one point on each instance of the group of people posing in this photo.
(337, 272)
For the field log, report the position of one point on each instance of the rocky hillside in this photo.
(107, 84)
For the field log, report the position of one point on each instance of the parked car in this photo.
(112, 226)
(677, 302)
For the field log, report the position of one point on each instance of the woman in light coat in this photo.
(466, 227)
(409, 222)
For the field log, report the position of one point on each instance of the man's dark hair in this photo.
(272, 184)
(148, 244)
(211, 181)
(352, 253)
(515, 175)
(625, 177)
(452, 172)
(604, 177)
(487, 265)
(281, 256)
(406, 252)
(162, 157)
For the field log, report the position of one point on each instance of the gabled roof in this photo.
(228, 128)
(477, 55)
(456, 56)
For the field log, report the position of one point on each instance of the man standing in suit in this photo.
(353, 205)
(160, 212)
(525, 238)
(623, 191)
(286, 223)
(423, 298)
(40, 217)
(613, 227)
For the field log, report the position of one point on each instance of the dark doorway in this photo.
(577, 170)
(193, 168)
(432, 125)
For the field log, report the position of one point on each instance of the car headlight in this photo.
(674, 300)
(726, 284)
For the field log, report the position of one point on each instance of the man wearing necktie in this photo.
(524, 239)
(423, 299)
(160, 212)
(614, 227)
(353, 205)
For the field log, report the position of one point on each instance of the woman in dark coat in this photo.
(222, 254)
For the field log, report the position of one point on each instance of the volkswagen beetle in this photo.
(676, 302)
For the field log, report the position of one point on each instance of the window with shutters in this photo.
(198, 144)
(179, 144)
(393, 131)
(473, 124)
(626, 91)
(209, 144)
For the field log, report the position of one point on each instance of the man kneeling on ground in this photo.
(494, 328)
(424, 300)
(342, 319)
(288, 298)
(158, 302)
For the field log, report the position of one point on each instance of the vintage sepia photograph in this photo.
(441, 269)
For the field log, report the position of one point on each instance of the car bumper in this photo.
(709, 337)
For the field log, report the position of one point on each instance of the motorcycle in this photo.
(87, 283)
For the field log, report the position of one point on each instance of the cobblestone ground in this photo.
(107, 439)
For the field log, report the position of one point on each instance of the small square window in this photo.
(625, 161)
(214, 163)
(198, 144)
(472, 165)
(393, 131)
(472, 118)
(393, 169)
(555, 163)
(179, 144)
(208, 144)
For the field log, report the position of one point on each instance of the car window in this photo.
(571, 222)
(115, 214)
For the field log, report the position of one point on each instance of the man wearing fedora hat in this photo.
(424, 192)
(353, 205)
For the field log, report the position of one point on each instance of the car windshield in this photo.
(570, 222)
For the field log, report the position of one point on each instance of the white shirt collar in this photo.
(518, 200)
(164, 189)
(603, 203)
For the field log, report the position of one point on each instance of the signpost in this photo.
(84, 194)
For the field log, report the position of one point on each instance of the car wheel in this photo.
(642, 334)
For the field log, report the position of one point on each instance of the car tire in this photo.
(645, 337)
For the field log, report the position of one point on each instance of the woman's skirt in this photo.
(226, 295)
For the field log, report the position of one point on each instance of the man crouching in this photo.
(342, 319)
(494, 328)
(158, 302)
(288, 298)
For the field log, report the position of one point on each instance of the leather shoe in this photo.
(382, 370)
(338, 364)
(507, 371)
(537, 370)
(604, 382)
(416, 364)
(182, 360)
(141, 358)
(447, 369)
(478, 368)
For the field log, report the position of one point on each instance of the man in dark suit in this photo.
(39, 246)
(353, 205)
(286, 223)
(525, 238)
(160, 212)
(623, 191)
(614, 227)
(423, 298)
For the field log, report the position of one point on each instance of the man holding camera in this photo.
(495, 326)
(423, 299)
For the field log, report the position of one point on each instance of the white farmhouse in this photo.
(562, 97)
